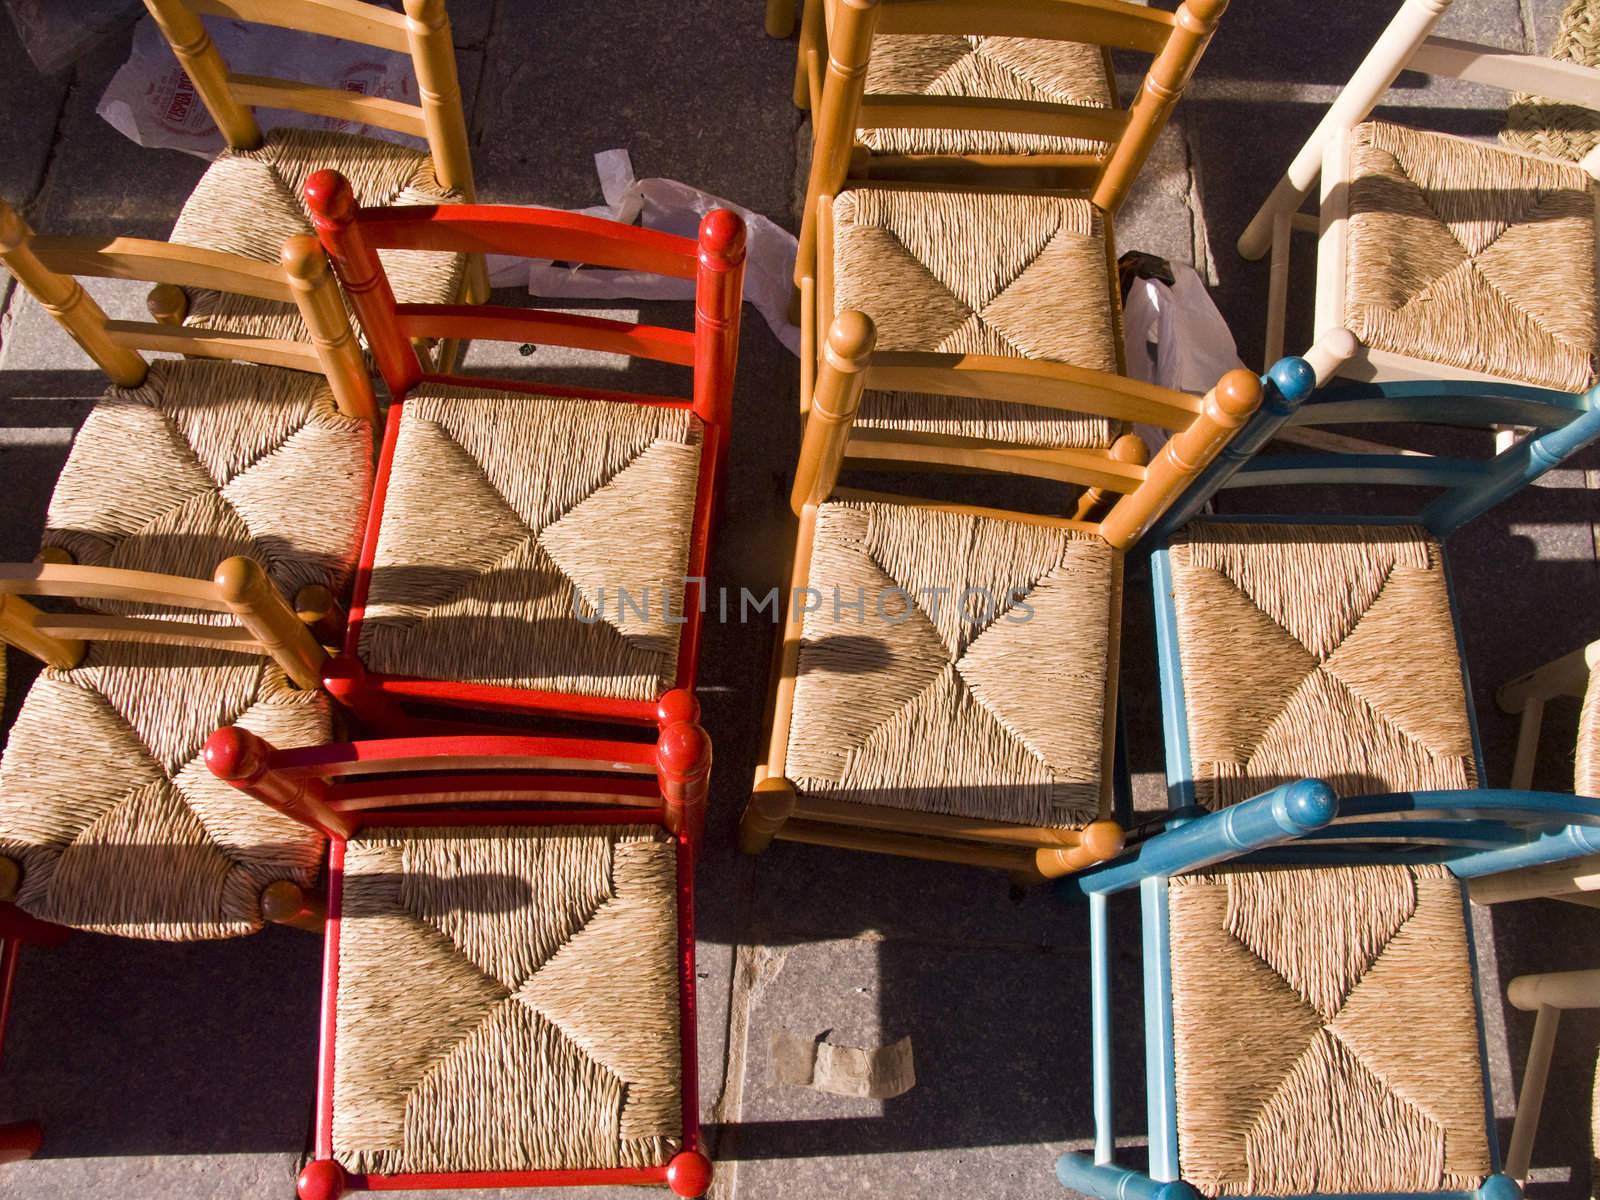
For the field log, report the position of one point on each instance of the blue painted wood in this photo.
(1169, 666)
(1160, 1066)
(1111, 1182)
(1489, 1131)
(1100, 1029)
(1444, 409)
(1469, 390)
(1535, 809)
(1287, 811)
(1389, 470)
(1461, 658)
(1511, 471)
(1468, 835)
(1557, 845)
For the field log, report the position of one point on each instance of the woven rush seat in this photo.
(206, 460)
(249, 202)
(938, 700)
(1325, 1032)
(1536, 125)
(111, 813)
(989, 68)
(1315, 651)
(978, 273)
(1587, 777)
(534, 542)
(507, 1000)
(1471, 256)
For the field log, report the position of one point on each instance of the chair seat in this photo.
(507, 1000)
(976, 676)
(989, 68)
(1587, 776)
(1326, 651)
(1472, 256)
(980, 273)
(249, 202)
(206, 460)
(536, 542)
(108, 808)
(1325, 1032)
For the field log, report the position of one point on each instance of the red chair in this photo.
(533, 547)
(508, 982)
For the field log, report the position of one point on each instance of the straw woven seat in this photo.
(974, 273)
(115, 820)
(206, 460)
(1319, 651)
(937, 701)
(1536, 125)
(990, 68)
(1587, 779)
(507, 1000)
(535, 542)
(249, 202)
(1325, 1032)
(1472, 257)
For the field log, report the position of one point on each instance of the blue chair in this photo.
(1311, 1017)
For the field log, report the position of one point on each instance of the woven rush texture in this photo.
(1325, 1032)
(974, 273)
(1536, 125)
(507, 1000)
(1321, 651)
(206, 460)
(989, 68)
(115, 819)
(534, 542)
(1587, 781)
(944, 701)
(1471, 256)
(249, 202)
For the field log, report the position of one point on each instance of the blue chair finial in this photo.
(1294, 379)
(1306, 805)
(1499, 1186)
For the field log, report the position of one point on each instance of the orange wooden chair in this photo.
(533, 548)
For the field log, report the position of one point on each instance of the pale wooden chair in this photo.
(1403, 260)
(255, 454)
(250, 199)
(977, 735)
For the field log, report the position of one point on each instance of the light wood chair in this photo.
(1547, 997)
(249, 201)
(1019, 94)
(966, 710)
(1417, 231)
(256, 454)
(508, 993)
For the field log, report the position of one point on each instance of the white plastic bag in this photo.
(671, 207)
(1174, 336)
(151, 100)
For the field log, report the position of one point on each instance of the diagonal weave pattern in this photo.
(1325, 1032)
(1320, 651)
(249, 202)
(534, 542)
(114, 818)
(989, 68)
(974, 679)
(973, 273)
(1536, 125)
(507, 1000)
(1471, 256)
(1587, 777)
(206, 460)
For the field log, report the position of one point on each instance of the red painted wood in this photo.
(677, 705)
(600, 1177)
(498, 323)
(363, 794)
(10, 955)
(20, 1140)
(321, 1179)
(507, 699)
(18, 926)
(529, 233)
(683, 765)
(689, 1173)
(536, 388)
(719, 292)
(243, 759)
(526, 816)
(476, 752)
(322, 1141)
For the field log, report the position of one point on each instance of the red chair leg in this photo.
(20, 1140)
(16, 925)
(321, 1179)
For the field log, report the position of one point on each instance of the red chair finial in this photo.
(235, 754)
(331, 197)
(677, 705)
(322, 1179)
(683, 751)
(722, 238)
(689, 1173)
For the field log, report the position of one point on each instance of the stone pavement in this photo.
(188, 1070)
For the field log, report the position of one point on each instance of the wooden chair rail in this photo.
(163, 262)
(505, 324)
(1509, 71)
(1103, 22)
(352, 20)
(269, 92)
(997, 116)
(210, 343)
(109, 583)
(99, 628)
(1087, 468)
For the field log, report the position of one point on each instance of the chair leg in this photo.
(780, 18)
(20, 1140)
(769, 807)
(1111, 1182)
(805, 54)
(284, 902)
(321, 1179)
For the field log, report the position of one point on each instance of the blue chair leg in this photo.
(1108, 1181)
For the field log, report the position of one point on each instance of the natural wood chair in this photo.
(262, 465)
(1547, 997)
(533, 548)
(1424, 239)
(508, 996)
(951, 90)
(976, 726)
(249, 201)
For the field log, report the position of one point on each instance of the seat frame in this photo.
(352, 237)
(490, 780)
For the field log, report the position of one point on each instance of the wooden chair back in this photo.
(715, 262)
(1130, 494)
(508, 779)
(1175, 41)
(421, 31)
(266, 622)
(47, 266)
